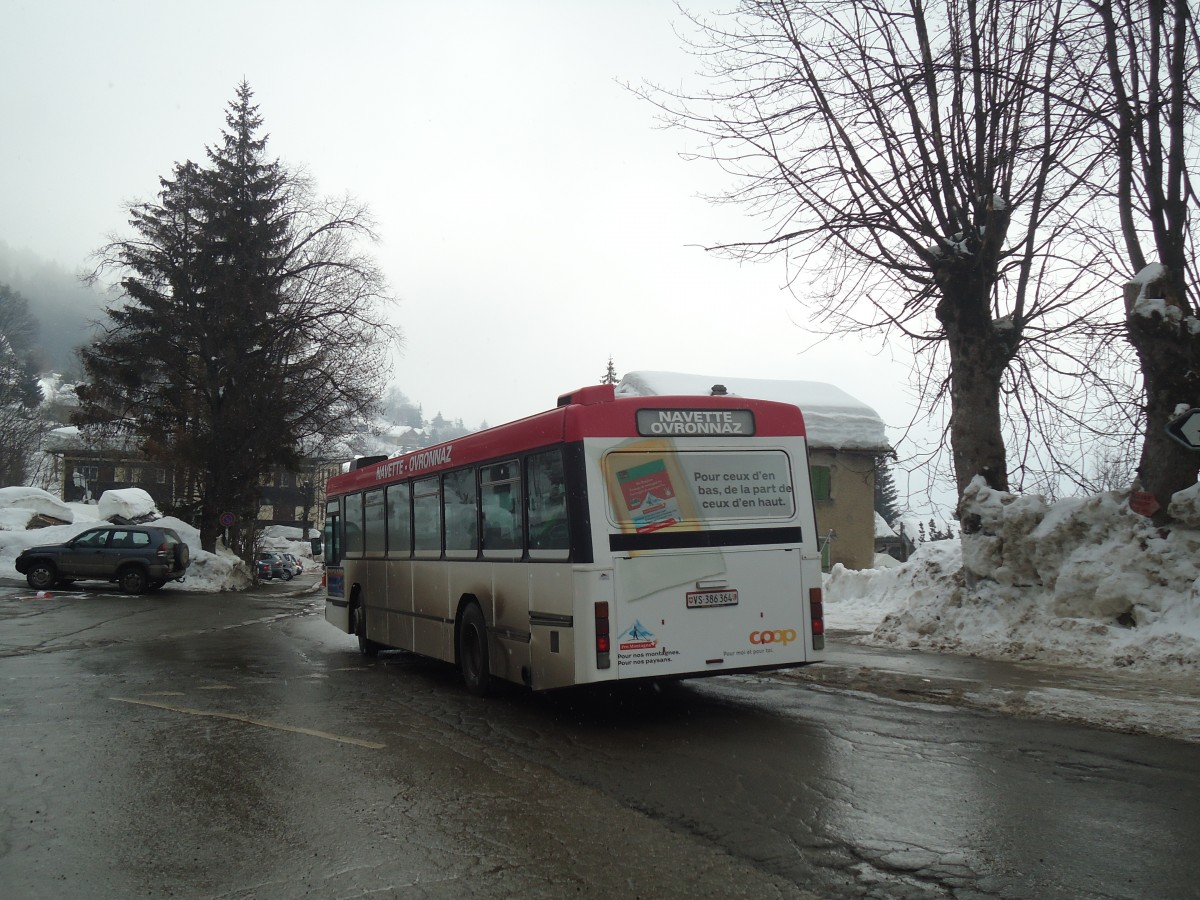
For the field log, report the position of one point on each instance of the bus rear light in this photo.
(602, 641)
(816, 607)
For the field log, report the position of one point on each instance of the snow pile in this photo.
(213, 572)
(833, 419)
(20, 504)
(286, 539)
(130, 504)
(1083, 582)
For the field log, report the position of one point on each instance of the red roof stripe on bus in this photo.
(565, 424)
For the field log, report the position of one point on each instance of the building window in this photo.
(821, 483)
(160, 475)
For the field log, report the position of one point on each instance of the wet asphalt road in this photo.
(237, 746)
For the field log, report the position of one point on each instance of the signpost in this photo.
(1144, 503)
(227, 519)
(1186, 429)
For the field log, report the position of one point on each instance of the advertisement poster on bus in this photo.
(652, 488)
(649, 496)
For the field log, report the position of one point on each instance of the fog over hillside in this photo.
(64, 307)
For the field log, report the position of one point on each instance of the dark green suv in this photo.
(137, 557)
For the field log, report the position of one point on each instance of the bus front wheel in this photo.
(473, 651)
(366, 646)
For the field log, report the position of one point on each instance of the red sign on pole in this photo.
(1144, 503)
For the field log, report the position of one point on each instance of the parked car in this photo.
(295, 561)
(280, 567)
(137, 557)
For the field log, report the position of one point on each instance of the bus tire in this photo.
(366, 646)
(473, 651)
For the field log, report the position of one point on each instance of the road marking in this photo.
(250, 720)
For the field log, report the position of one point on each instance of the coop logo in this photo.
(780, 636)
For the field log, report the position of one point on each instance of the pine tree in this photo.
(21, 421)
(610, 376)
(248, 329)
(887, 502)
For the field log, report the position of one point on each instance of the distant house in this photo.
(87, 470)
(894, 542)
(845, 437)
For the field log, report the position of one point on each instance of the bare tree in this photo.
(1152, 54)
(919, 156)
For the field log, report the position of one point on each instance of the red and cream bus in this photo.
(606, 540)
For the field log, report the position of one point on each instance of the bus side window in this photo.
(375, 522)
(354, 525)
(501, 509)
(427, 517)
(399, 525)
(547, 506)
(462, 526)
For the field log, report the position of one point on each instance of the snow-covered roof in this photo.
(882, 528)
(834, 420)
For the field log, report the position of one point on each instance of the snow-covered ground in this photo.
(1082, 582)
(213, 572)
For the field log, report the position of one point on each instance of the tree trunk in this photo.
(1169, 354)
(210, 524)
(980, 350)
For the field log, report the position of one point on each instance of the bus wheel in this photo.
(366, 646)
(473, 651)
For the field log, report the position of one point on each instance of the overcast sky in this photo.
(533, 219)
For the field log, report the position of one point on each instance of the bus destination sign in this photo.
(694, 422)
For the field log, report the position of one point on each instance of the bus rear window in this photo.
(652, 490)
(547, 507)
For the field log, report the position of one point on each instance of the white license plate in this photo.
(702, 599)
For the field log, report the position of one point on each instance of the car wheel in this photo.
(366, 646)
(473, 651)
(132, 580)
(287, 576)
(41, 576)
